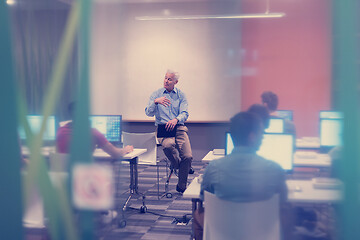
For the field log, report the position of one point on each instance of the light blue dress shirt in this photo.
(178, 108)
(243, 176)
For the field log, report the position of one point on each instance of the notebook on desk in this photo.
(162, 132)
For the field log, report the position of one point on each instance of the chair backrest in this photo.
(246, 220)
(34, 210)
(142, 140)
(58, 162)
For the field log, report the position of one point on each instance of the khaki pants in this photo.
(182, 143)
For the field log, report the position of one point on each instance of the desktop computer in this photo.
(285, 114)
(276, 125)
(276, 147)
(35, 122)
(331, 115)
(109, 125)
(331, 133)
(331, 129)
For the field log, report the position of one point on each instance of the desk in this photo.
(299, 191)
(133, 160)
(99, 154)
(309, 194)
(193, 190)
(318, 160)
(306, 194)
(211, 156)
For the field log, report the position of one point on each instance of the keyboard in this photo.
(326, 183)
(308, 142)
(306, 155)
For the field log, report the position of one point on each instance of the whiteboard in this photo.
(130, 58)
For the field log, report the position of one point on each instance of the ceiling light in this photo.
(167, 16)
(10, 2)
(166, 12)
(199, 17)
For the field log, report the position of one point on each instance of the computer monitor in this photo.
(276, 125)
(331, 115)
(229, 145)
(331, 131)
(285, 114)
(276, 147)
(35, 122)
(109, 125)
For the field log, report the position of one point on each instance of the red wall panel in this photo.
(290, 56)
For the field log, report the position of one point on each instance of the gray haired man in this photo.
(170, 108)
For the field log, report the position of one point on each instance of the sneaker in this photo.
(191, 170)
(179, 189)
(108, 216)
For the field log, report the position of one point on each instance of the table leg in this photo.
(195, 202)
(136, 176)
(133, 181)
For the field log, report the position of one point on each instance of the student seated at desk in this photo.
(262, 112)
(271, 101)
(64, 133)
(243, 176)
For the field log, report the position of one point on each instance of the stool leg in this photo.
(158, 181)
(168, 177)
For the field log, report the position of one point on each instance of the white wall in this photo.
(130, 58)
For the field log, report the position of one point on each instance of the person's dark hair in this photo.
(262, 112)
(242, 124)
(270, 99)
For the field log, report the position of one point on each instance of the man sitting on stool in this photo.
(170, 108)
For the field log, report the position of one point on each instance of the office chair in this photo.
(241, 220)
(33, 219)
(34, 216)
